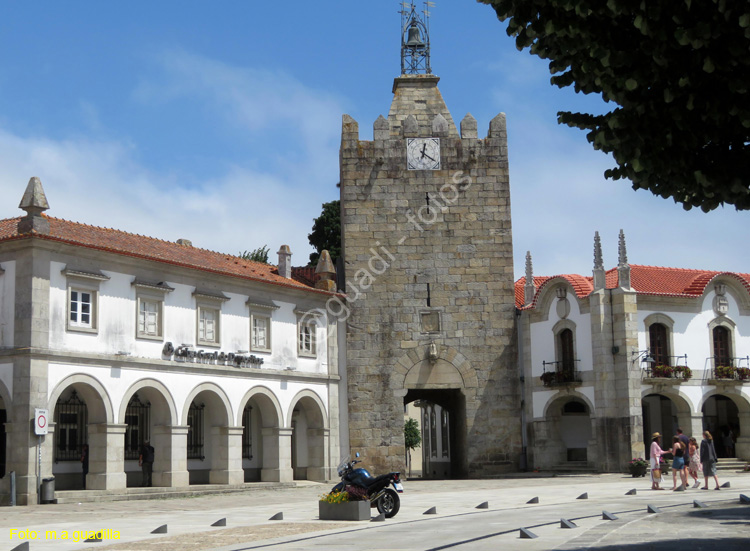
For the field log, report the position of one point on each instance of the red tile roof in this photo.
(646, 280)
(157, 250)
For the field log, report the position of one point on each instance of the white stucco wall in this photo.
(543, 339)
(117, 318)
(691, 334)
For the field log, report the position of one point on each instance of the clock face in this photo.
(423, 153)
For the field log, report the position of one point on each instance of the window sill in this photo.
(306, 355)
(150, 337)
(261, 350)
(77, 329)
(209, 344)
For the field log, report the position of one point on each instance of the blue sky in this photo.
(220, 122)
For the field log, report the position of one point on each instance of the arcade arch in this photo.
(307, 419)
(207, 413)
(260, 417)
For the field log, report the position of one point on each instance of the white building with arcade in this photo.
(609, 359)
(228, 366)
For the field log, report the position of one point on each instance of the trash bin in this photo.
(48, 490)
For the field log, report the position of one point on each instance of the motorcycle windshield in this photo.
(341, 469)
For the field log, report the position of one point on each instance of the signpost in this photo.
(41, 417)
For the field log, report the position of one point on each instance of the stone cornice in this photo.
(162, 366)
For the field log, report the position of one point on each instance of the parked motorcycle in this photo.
(376, 488)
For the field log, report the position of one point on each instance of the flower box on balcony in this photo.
(670, 374)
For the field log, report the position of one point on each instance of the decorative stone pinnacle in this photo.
(598, 262)
(529, 268)
(326, 272)
(34, 202)
(600, 278)
(623, 268)
(529, 289)
(622, 253)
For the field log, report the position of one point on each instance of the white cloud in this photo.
(560, 198)
(238, 208)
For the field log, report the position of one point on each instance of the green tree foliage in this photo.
(326, 232)
(678, 72)
(412, 436)
(258, 255)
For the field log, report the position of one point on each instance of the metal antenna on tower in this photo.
(415, 39)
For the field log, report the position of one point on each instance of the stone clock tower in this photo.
(425, 214)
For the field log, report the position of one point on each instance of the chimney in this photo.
(285, 262)
(34, 202)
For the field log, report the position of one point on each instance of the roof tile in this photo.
(149, 248)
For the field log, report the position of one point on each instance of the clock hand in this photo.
(426, 155)
(424, 146)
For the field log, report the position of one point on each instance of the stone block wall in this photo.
(429, 276)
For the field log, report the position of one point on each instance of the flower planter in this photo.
(638, 470)
(351, 510)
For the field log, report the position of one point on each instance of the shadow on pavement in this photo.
(694, 544)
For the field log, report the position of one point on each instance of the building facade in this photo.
(228, 367)
(611, 358)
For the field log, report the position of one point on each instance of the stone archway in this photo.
(309, 445)
(565, 437)
(82, 416)
(149, 412)
(664, 410)
(725, 409)
(439, 376)
(261, 421)
(213, 451)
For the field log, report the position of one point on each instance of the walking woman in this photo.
(655, 453)
(678, 463)
(709, 459)
(694, 467)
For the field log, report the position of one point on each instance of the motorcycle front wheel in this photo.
(389, 503)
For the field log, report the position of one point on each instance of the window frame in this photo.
(727, 356)
(261, 310)
(668, 324)
(566, 343)
(78, 281)
(659, 351)
(729, 326)
(150, 293)
(557, 331)
(307, 319)
(207, 301)
(254, 318)
(311, 350)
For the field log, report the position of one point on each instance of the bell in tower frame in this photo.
(415, 39)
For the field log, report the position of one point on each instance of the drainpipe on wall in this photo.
(523, 463)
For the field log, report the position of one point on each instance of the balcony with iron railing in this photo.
(727, 370)
(675, 369)
(560, 373)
